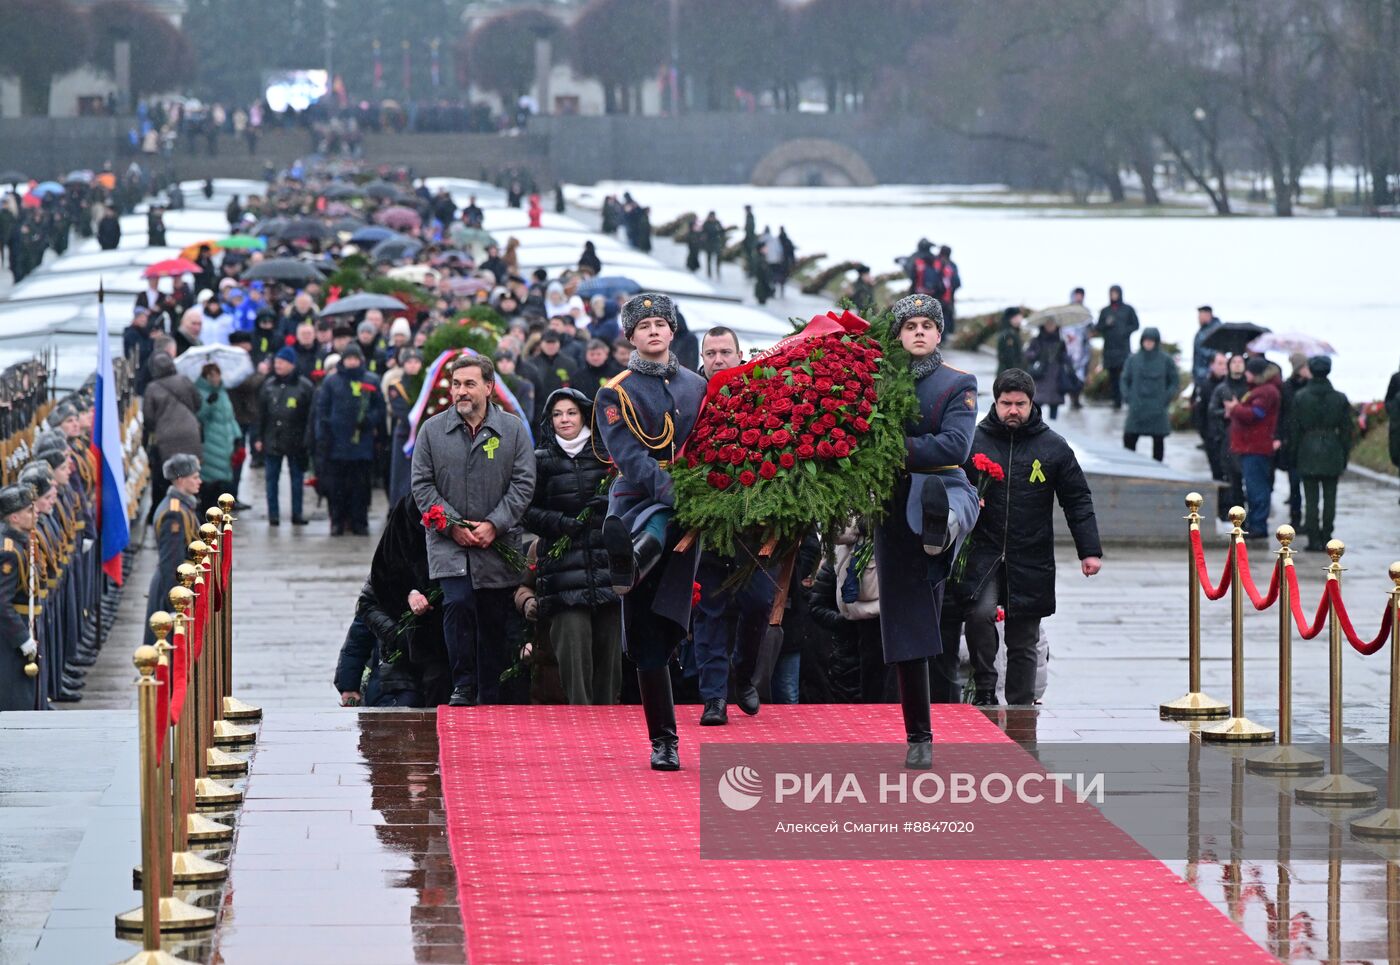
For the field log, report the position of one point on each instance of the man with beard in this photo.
(1011, 552)
(476, 463)
(645, 416)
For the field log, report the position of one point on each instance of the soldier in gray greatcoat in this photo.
(176, 527)
(644, 416)
(17, 647)
(932, 510)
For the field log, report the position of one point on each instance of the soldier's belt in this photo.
(663, 463)
(23, 609)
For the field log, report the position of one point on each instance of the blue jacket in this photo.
(349, 411)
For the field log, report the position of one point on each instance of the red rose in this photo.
(709, 455)
(823, 386)
(765, 441)
(782, 405)
(828, 420)
(781, 438)
(747, 478)
(807, 439)
(805, 451)
(692, 461)
(870, 394)
(767, 470)
(772, 422)
(727, 434)
(787, 460)
(825, 450)
(719, 480)
(837, 433)
(860, 425)
(755, 456)
(736, 456)
(842, 448)
(749, 437)
(831, 403)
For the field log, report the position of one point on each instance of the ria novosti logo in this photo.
(740, 788)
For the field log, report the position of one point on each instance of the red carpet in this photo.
(568, 849)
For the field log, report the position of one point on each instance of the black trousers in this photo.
(1115, 385)
(877, 678)
(1022, 634)
(349, 492)
(1319, 530)
(1159, 444)
(474, 627)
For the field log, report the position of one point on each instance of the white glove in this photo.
(29, 649)
(87, 543)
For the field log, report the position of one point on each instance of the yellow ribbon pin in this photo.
(1036, 475)
(491, 446)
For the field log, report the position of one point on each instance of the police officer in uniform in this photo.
(17, 647)
(644, 416)
(932, 509)
(177, 525)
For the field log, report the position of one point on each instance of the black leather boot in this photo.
(629, 559)
(660, 711)
(716, 713)
(914, 700)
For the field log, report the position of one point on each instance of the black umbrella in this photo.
(13, 177)
(381, 190)
(283, 269)
(338, 191)
(270, 228)
(349, 224)
(362, 302)
(1233, 337)
(392, 249)
(304, 228)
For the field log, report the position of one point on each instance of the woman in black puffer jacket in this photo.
(571, 583)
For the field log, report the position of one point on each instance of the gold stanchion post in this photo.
(198, 828)
(160, 911)
(210, 795)
(1195, 705)
(1238, 728)
(225, 733)
(1285, 759)
(1385, 823)
(234, 709)
(1335, 789)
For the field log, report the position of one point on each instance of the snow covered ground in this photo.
(1337, 278)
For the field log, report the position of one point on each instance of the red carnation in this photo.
(805, 451)
(787, 460)
(825, 450)
(747, 478)
(767, 470)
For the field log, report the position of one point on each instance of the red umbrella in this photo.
(171, 267)
(399, 218)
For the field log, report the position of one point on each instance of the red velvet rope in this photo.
(179, 673)
(1305, 631)
(1211, 591)
(1367, 647)
(162, 710)
(201, 602)
(1260, 603)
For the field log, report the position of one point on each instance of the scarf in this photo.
(642, 366)
(575, 445)
(927, 365)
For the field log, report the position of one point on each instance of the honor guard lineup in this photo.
(58, 600)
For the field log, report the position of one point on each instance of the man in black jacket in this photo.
(1037, 467)
(284, 409)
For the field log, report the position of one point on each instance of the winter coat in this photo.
(866, 585)
(284, 409)
(564, 487)
(171, 410)
(1321, 429)
(1200, 355)
(551, 374)
(592, 378)
(221, 432)
(1253, 421)
(1045, 355)
(1010, 353)
(1117, 323)
(488, 477)
(1218, 424)
(1150, 382)
(349, 411)
(1017, 525)
(1392, 410)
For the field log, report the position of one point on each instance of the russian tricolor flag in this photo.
(107, 445)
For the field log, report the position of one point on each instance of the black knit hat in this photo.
(1257, 365)
(647, 305)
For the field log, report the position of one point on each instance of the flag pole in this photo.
(101, 576)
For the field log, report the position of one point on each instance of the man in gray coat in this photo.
(476, 462)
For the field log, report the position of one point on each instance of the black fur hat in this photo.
(916, 306)
(647, 305)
